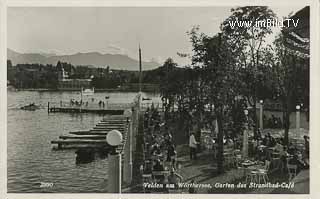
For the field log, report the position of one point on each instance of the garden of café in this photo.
(264, 163)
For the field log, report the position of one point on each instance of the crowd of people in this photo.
(161, 153)
(272, 122)
(269, 148)
(77, 103)
(160, 149)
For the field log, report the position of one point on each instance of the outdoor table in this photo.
(269, 151)
(161, 174)
(247, 166)
(237, 151)
(275, 154)
(228, 157)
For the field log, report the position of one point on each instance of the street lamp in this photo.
(261, 115)
(114, 139)
(298, 117)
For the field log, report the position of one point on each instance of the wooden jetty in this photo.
(95, 137)
(84, 110)
(111, 109)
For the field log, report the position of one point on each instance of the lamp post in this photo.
(245, 137)
(261, 115)
(114, 139)
(298, 117)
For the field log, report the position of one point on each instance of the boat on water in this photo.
(87, 91)
(30, 107)
(146, 98)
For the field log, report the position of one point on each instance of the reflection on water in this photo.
(31, 160)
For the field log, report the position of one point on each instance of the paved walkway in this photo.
(204, 171)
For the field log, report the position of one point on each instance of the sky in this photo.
(161, 31)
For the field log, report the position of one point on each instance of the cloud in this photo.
(111, 46)
(114, 49)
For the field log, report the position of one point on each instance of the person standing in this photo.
(171, 155)
(193, 147)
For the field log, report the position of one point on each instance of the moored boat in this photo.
(30, 107)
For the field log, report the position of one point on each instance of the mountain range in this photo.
(96, 59)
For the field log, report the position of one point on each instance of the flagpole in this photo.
(140, 70)
(81, 100)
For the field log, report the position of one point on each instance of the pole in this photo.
(48, 107)
(298, 117)
(140, 70)
(261, 116)
(245, 137)
(114, 173)
(81, 100)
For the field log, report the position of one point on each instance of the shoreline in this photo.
(66, 90)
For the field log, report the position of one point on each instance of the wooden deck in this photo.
(84, 110)
(95, 137)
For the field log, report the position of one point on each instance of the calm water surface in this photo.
(31, 159)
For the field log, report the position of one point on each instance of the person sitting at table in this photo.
(298, 161)
(278, 147)
(265, 141)
(258, 135)
(229, 143)
(273, 141)
(260, 152)
(155, 149)
(283, 157)
(158, 166)
(171, 155)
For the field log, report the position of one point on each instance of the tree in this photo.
(246, 31)
(9, 64)
(217, 61)
(168, 87)
(291, 76)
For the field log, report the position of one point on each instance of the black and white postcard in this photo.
(165, 99)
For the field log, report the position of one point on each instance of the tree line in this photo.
(24, 76)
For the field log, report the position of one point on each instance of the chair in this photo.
(237, 160)
(292, 171)
(146, 178)
(252, 176)
(263, 173)
(228, 160)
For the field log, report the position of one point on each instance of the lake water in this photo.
(30, 157)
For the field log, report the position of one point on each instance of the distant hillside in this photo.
(115, 61)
